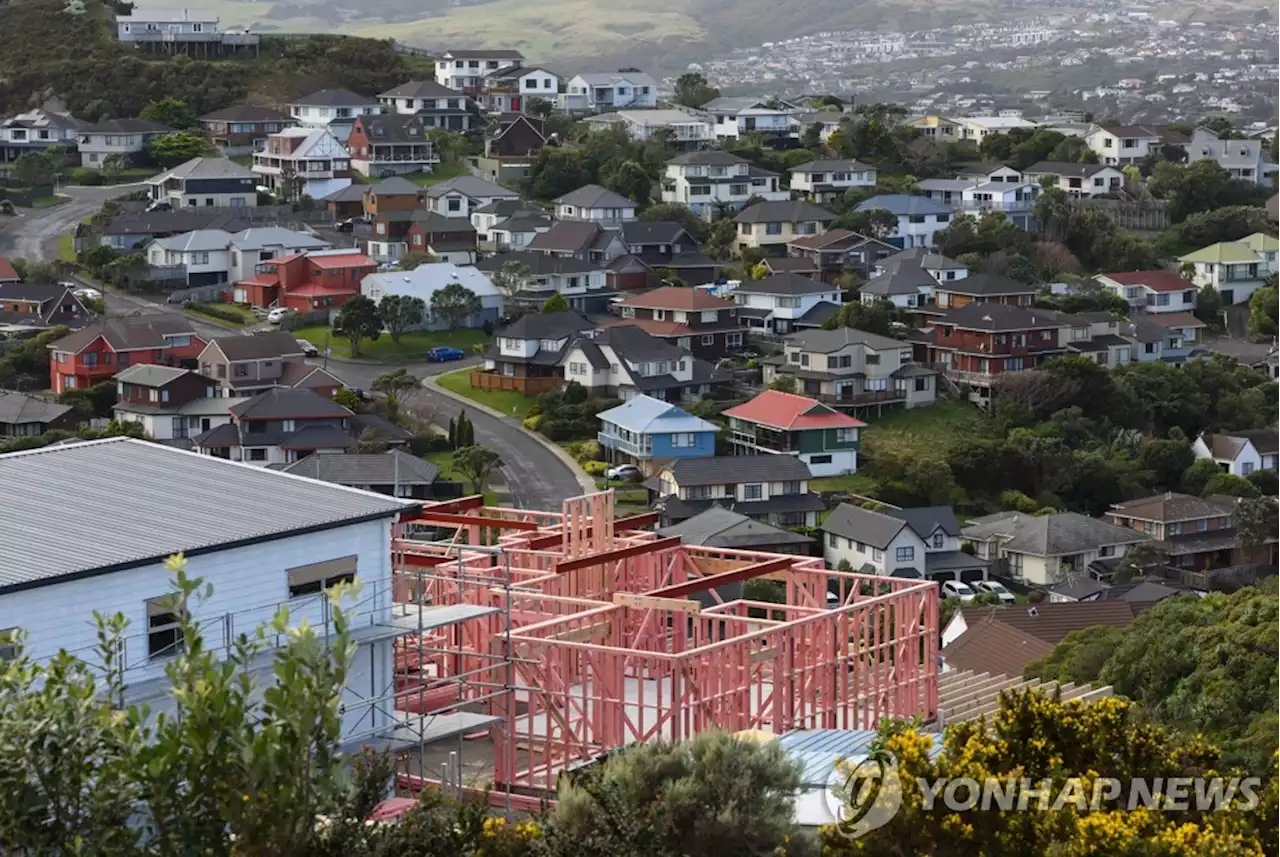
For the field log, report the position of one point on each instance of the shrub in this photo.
(588, 450)
(428, 442)
(594, 468)
(216, 311)
(533, 423)
(92, 178)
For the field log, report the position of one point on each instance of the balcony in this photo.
(854, 399)
(636, 449)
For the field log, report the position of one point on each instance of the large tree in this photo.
(357, 321)
(169, 150)
(170, 111)
(455, 303)
(477, 464)
(691, 90)
(401, 312)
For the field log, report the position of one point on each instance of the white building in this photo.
(705, 180)
(1236, 269)
(605, 91)
(204, 253)
(775, 304)
(206, 182)
(196, 31)
(465, 70)
(1243, 159)
(823, 181)
(1118, 145)
(736, 117)
(36, 130)
(126, 138)
(1078, 180)
(425, 280)
(595, 203)
(311, 156)
(686, 129)
(976, 128)
(919, 219)
(459, 197)
(920, 542)
(274, 539)
(1239, 452)
(1151, 291)
(510, 90)
(333, 109)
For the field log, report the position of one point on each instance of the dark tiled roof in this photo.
(994, 648)
(925, 519)
(567, 236)
(335, 98)
(127, 126)
(387, 468)
(785, 211)
(785, 284)
(261, 346)
(807, 502)
(421, 89)
(1062, 168)
(906, 279)
(987, 285)
(723, 528)
(546, 325)
(394, 128)
(539, 264)
(708, 158)
(635, 344)
(124, 334)
(737, 469)
(862, 525)
(791, 265)
(818, 314)
(1060, 534)
(651, 232)
(1229, 444)
(285, 404)
(827, 341)
(245, 113)
(595, 196)
(993, 316)
(19, 408)
(1168, 507)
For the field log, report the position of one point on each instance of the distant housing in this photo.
(193, 32)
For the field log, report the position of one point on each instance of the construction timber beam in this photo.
(617, 555)
(701, 584)
(431, 516)
(621, 524)
(420, 560)
(462, 504)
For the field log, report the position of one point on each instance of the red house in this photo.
(976, 343)
(317, 279)
(97, 352)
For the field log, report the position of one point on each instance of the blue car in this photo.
(443, 354)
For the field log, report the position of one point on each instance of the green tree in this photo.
(455, 303)
(1230, 485)
(1256, 521)
(511, 278)
(412, 261)
(449, 146)
(1201, 186)
(874, 222)
(674, 212)
(630, 180)
(556, 303)
(349, 400)
(169, 150)
(35, 169)
(170, 111)
(1264, 306)
(476, 464)
(96, 401)
(1209, 305)
(396, 383)
(358, 320)
(691, 90)
(398, 313)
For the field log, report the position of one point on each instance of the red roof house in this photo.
(1152, 291)
(317, 279)
(8, 274)
(777, 423)
(99, 351)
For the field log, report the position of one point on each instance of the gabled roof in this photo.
(1065, 168)
(993, 317)
(485, 54)
(595, 196)
(826, 341)
(261, 237)
(863, 525)
(633, 344)
(245, 113)
(392, 467)
(926, 519)
(268, 345)
(652, 232)
(1060, 534)
(395, 186)
(19, 408)
(995, 648)
(831, 166)
(8, 273)
(1169, 507)
(1230, 444)
(539, 264)
(513, 72)
(677, 298)
(151, 375)
(1158, 281)
(647, 415)
(127, 334)
(789, 412)
(736, 469)
(907, 279)
(723, 528)
(708, 158)
(470, 186)
(903, 204)
(1223, 253)
(392, 128)
(127, 126)
(833, 239)
(421, 89)
(785, 284)
(286, 404)
(197, 241)
(922, 257)
(205, 168)
(988, 285)
(791, 265)
(335, 98)
(567, 236)
(784, 211)
(546, 325)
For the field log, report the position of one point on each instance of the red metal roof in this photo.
(314, 290)
(260, 280)
(677, 297)
(653, 326)
(7, 271)
(346, 260)
(1157, 281)
(790, 412)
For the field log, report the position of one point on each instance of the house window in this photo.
(684, 440)
(319, 576)
(240, 370)
(846, 435)
(1106, 551)
(922, 384)
(790, 487)
(1015, 564)
(819, 459)
(939, 541)
(907, 554)
(164, 631)
(708, 339)
(773, 229)
(1202, 525)
(752, 492)
(9, 639)
(832, 538)
(732, 340)
(258, 454)
(872, 359)
(877, 555)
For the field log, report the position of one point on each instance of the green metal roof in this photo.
(1223, 253)
(1261, 242)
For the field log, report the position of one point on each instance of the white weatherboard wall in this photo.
(249, 582)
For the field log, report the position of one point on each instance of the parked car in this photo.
(996, 588)
(347, 225)
(307, 348)
(444, 353)
(627, 472)
(359, 394)
(278, 315)
(958, 589)
(86, 294)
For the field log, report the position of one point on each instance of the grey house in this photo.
(248, 365)
(206, 183)
(394, 472)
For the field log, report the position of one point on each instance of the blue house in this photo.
(646, 429)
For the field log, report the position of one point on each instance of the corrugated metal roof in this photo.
(140, 502)
(818, 750)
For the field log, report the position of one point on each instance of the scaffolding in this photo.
(561, 637)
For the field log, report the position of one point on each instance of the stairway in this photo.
(965, 695)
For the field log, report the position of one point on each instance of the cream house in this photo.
(1044, 550)
(849, 368)
(768, 225)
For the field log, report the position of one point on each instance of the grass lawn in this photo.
(75, 175)
(67, 247)
(243, 314)
(923, 432)
(625, 493)
(49, 201)
(242, 160)
(444, 460)
(507, 402)
(442, 172)
(852, 483)
(412, 347)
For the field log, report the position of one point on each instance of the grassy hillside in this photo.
(50, 52)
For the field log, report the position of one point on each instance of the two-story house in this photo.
(1236, 269)
(1044, 550)
(243, 128)
(171, 404)
(1098, 336)
(682, 130)
(771, 225)
(625, 361)
(127, 232)
(769, 488)
(587, 240)
(303, 161)
(36, 130)
(306, 281)
(388, 144)
(486, 217)
(334, 110)
(424, 232)
(836, 251)
(526, 354)
(128, 138)
(1197, 533)
(648, 431)
(690, 319)
(1083, 181)
(826, 180)
(97, 352)
(785, 302)
(983, 289)
(203, 255)
(1244, 160)
(919, 219)
(279, 426)
(394, 193)
(205, 182)
(460, 196)
(601, 92)
(187, 32)
(465, 70)
(583, 284)
(511, 142)
(1119, 145)
(662, 246)
(435, 106)
(24, 415)
(258, 244)
(1240, 452)
(922, 542)
(513, 89)
(395, 472)
(908, 279)
(853, 370)
(516, 232)
(247, 365)
(976, 343)
(741, 116)
(1152, 340)
(1151, 291)
(595, 203)
(784, 425)
(706, 181)
(26, 307)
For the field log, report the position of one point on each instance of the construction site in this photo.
(544, 641)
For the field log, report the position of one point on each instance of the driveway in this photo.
(33, 233)
(536, 477)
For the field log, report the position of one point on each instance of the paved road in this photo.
(536, 478)
(33, 234)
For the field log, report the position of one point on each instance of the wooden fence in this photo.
(523, 386)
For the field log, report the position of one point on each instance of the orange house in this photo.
(99, 351)
(319, 279)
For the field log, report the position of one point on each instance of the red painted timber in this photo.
(431, 516)
(619, 554)
(635, 522)
(701, 584)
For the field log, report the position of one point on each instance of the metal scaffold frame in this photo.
(587, 633)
